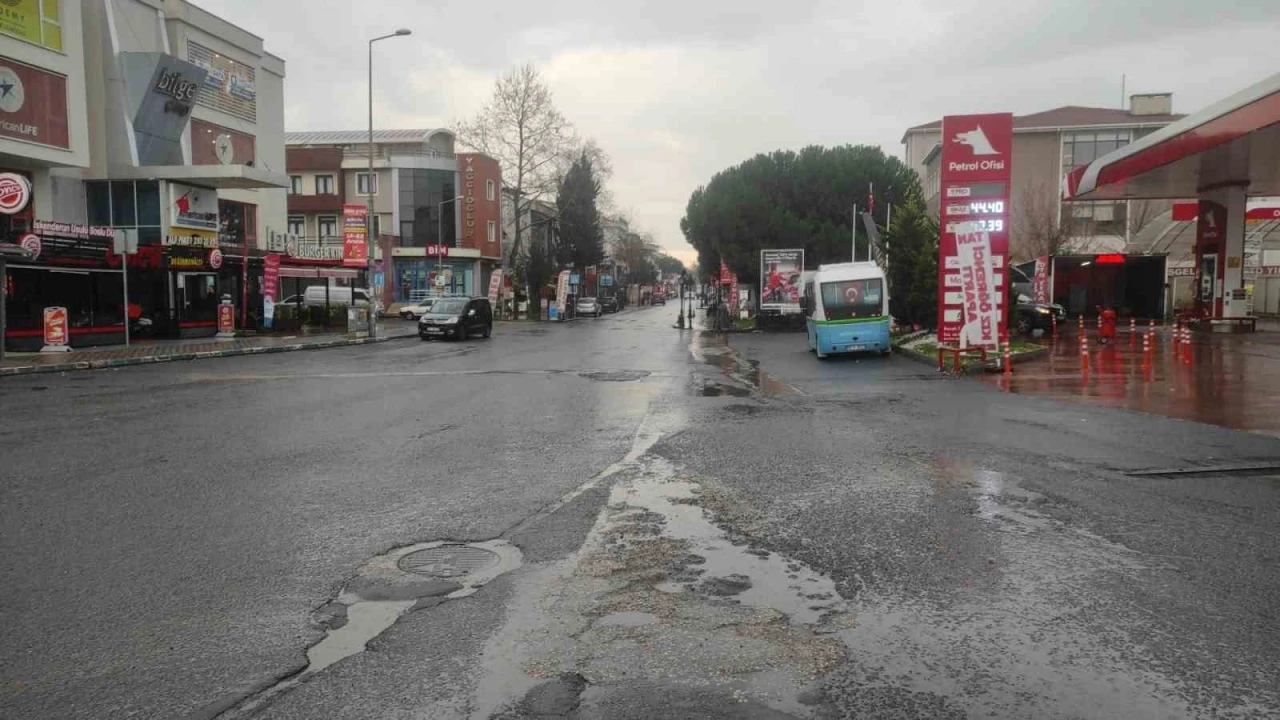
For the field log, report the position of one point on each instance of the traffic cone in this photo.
(1177, 334)
(1008, 364)
(1053, 319)
(1146, 351)
(1084, 354)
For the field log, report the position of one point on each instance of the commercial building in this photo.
(436, 213)
(1046, 146)
(147, 116)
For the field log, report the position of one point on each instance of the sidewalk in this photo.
(146, 352)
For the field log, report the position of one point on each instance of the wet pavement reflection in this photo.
(1227, 380)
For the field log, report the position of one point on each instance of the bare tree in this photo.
(1037, 224)
(521, 127)
(1142, 213)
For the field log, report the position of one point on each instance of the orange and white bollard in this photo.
(1146, 351)
(1084, 354)
(1177, 334)
(1053, 319)
(1008, 363)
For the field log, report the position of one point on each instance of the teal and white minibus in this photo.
(846, 309)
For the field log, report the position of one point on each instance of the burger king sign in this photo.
(15, 193)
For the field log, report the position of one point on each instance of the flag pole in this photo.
(855, 232)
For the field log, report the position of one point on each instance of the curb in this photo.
(179, 356)
(971, 367)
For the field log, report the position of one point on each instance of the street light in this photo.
(440, 228)
(684, 274)
(368, 221)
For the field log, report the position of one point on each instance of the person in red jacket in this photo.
(1107, 325)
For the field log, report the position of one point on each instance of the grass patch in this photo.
(745, 324)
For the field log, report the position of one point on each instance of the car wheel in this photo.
(424, 338)
(488, 330)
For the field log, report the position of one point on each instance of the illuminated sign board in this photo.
(973, 243)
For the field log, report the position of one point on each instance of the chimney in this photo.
(1151, 104)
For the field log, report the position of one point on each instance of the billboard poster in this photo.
(55, 329)
(270, 287)
(1040, 283)
(977, 286)
(780, 285)
(975, 173)
(34, 103)
(355, 251)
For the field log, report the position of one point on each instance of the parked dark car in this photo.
(609, 303)
(457, 318)
(1030, 315)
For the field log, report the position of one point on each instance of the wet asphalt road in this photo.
(174, 537)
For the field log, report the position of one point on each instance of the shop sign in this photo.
(31, 243)
(191, 238)
(226, 318)
(22, 19)
(469, 176)
(76, 230)
(562, 291)
(242, 88)
(355, 251)
(271, 275)
(194, 207)
(215, 259)
(437, 250)
(313, 251)
(15, 193)
(1269, 271)
(1040, 283)
(55, 327)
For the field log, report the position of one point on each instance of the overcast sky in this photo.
(675, 90)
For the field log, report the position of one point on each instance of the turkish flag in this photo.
(184, 205)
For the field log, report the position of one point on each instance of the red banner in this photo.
(271, 275)
(55, 327)
(1040, 283)
(34, 104)
(355, 221)
(976, 169)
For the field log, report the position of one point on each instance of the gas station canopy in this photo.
(1233, 142)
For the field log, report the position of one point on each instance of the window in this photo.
(324, 184)
(297, 225)
(489, 190)
(1080, 149)
(852, 299)
(493, 231)
(328, 226)
(295, 184)
(126, 204)
(366, 184)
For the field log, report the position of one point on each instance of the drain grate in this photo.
(448, 561)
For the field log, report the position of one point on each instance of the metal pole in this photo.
(244, 283)
(124, 276)
(368, 223)
(439, 235)
(855, 232)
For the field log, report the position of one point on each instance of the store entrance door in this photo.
(194, 303)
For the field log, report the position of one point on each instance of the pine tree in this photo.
(581, 239)
(912, 241)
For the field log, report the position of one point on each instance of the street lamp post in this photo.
(684, 274)
(440, 228)
(369, 214)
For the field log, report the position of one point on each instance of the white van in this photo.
(315, 296)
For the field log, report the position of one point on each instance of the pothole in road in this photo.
(615, 375)
(722, 390)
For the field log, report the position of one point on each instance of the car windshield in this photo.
(448, 306)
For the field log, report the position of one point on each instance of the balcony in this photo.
(315, 203)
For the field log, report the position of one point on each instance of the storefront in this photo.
(419, 277)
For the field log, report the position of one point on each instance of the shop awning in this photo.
(221, 177)
(1233, 141)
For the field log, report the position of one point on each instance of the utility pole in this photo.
(369, 214)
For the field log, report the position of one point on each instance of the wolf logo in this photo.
(977, 140)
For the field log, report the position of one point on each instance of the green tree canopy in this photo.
(581, 240)
(669, 265)
(791, 200)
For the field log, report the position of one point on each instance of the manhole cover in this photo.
(616, 375)
(448, 561)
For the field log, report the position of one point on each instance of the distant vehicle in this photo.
(588, 306)
(1030, 315)
(659, 297)
(609, 303)
(415, 310)
(458, 318)
(292, 300)
(315, 296)
(846, 308)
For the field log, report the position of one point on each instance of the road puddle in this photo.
(742, 374)
(659, 593)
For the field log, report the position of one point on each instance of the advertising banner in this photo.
(977, 286)
(33, 104)
(562, 291)
(56, 336)
(24, 19)
(15, 193)
(195, 208)
(1040, 283)
(495, 287)
(226, 318)
(355, 252)
(976, 169)
(270, 287)
(780, 286)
